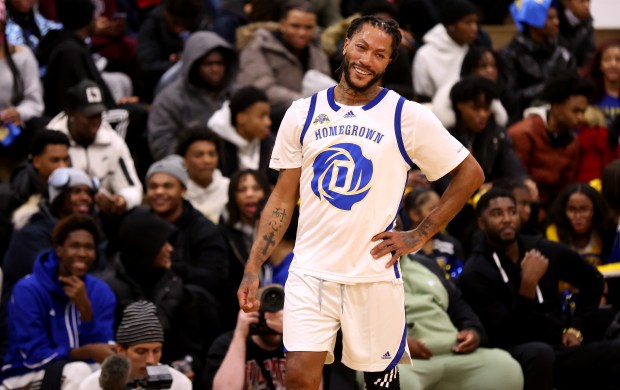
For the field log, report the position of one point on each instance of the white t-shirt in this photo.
(179, 381)
(354, 162)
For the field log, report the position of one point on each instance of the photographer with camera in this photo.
(255, 348)
(140, 340)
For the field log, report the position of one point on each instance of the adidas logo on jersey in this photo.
(349, 114)
(386, 355)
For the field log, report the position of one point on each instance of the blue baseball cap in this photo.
(530, 12)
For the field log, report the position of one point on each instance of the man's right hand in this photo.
(247, 292)
(418, 349)
(533, 267)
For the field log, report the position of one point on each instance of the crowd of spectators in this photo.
(135, 138)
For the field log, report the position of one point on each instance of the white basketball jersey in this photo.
(354, 162)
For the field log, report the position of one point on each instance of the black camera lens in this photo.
(272, 299)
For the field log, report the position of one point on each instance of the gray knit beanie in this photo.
(139, 325)
(172, 165)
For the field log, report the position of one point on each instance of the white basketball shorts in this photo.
(371, 315)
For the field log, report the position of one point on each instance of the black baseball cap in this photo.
(86, 98)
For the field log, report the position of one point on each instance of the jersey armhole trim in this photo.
(308, 118)
(399, 135)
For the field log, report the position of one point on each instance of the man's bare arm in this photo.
(274, 221)
(466, 178)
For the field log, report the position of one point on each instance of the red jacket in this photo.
(595, 152)
(551, 167)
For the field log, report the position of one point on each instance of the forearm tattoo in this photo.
(426, 228)
(275, 224)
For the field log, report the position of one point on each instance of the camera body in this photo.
(157, 377)
(271, 301)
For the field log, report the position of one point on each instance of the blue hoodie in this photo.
(44, 325)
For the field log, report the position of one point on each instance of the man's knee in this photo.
(534, 353)
(501, 371)
(74, 374)
(304, 370)
(389, 379)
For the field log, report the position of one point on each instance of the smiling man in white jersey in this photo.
(345, 153)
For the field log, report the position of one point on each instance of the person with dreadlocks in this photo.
(345, 153)
(21, 95)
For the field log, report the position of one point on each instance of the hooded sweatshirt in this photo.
(45, 325)
(239, 153)
(437, 62)
(186, 102)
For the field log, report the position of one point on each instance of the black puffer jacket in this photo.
(526, 67)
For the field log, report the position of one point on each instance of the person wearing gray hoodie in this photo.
(207, 80)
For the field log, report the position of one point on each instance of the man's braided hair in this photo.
(389, 26)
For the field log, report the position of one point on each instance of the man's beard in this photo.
(346, 69)
(497, 241)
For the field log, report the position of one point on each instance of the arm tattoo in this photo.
(275, 223)
(426, 228)
(280, 214)
(268, 241)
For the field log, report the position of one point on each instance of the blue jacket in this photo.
(44, 325)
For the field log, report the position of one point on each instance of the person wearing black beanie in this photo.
(75, 14)
(455, 10)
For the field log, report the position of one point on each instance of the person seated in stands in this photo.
(207, 188)
(446, 250)
(206, 81)
(545, 139)
(526, 196)
(240, 359)
(162, 36)
(199, 256)
(140, 340)
(447, 338)
(533, 55)
(97, 148)
(439, 60)
(67, 60)
(21, 97)
(247, 189)
(49, 150)
(577, 30)
(610, 189)
(60, 316)
(476, 129)
(511, 282)
(580, 218)
(276, 60)
(25, 24)
(71, 192)
(244, 126)
(143, 270)
(480, 61)
(605, 73)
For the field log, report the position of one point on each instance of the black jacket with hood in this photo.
(132, 276)
(67, 61)
(527, 65)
